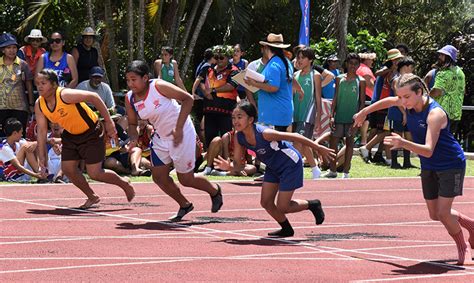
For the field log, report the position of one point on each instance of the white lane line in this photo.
(401, 278)
(324, 249)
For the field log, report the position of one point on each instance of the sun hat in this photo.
(96, 71)
(35, 33)
(449, 50)
(88, 31)
(7, 39)
(275, 40)
(226, 50)
(367, 56)
(393, 54)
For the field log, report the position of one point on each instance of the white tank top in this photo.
(160, 111)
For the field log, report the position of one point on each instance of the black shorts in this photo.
(88, 146)
(447, 183)
(377, 120)
(304, 129)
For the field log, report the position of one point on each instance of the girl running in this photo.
(443, 163)
(82, 137)
(284, 172)
(174, 139)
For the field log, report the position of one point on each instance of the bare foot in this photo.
(467, 260)
(90, 202)
(128, 189)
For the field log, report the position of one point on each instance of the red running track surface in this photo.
(375, 230)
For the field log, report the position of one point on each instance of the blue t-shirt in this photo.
(276, 108)
(60, 67)
(277, 155)
(330, 89)
(447, 153)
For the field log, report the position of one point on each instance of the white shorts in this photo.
(183, 156)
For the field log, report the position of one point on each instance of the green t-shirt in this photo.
(347, 100)
(452, 83)
(302, 108)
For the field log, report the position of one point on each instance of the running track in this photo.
(375, 230)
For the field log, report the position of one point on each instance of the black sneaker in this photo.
(181, 213)
(378, 158)
(396, 166)
(282, 233)
(217, 201)
(315, 207)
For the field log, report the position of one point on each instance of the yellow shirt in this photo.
(75, 118)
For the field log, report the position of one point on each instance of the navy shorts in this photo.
(447, 183)
(397, 126)
(289, 179)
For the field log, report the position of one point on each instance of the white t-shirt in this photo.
(7, 153)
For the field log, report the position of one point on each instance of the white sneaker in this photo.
(316, 172)
(207, 171)
(218, 173)
(345, 176)
(330, 174)
(364, 152)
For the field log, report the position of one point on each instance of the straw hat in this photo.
(275, 40)
(88, 31)
(369, 56)
(35, 33)
(393, 54)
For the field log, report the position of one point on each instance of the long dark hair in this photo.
(279, 52)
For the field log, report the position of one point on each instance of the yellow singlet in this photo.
(75, 118)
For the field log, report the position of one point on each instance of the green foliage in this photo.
(362, 42)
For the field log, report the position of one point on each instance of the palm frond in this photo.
(152, 9)
(37, 10)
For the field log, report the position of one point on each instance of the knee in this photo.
(434, 216)
(283, 208)
(443, 216)
(160, 180)
(95, 174)
(186, 180)
(267, 204)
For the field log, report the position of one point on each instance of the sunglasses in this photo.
(55, 40)
(35, 39)
(219, 57)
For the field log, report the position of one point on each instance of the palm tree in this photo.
(141, 29)
(112, 49)
(187, 30)
(90, 14)
(130, 30)
(194, 38)
(339, 13)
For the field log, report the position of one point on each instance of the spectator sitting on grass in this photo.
(14, 150)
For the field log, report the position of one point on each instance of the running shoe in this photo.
(181, 213)
(217, 201)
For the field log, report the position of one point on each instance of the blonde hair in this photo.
(414, 81)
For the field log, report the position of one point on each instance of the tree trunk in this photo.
(187, 30)
(112, 49)
(90, 15)
(194, 38)
(130, 30)
(339, 13)
(157, 36)
(141, 30)
(176, 23)
(170, 20)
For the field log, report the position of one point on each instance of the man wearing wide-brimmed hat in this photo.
(275, 98)
(32, 51)
(449, 85)
(85, 55)
(15, 76)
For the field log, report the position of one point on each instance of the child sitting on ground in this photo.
(14, 151)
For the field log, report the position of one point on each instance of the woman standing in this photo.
(166, 68)
(85, 55)
(59, 61)
(174, 140)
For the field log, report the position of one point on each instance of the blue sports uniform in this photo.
(283, 161)
(447, 153)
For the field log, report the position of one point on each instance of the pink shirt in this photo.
(363, 71)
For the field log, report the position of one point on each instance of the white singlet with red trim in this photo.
(160, 111)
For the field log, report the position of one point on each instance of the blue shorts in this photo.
(289, 179)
